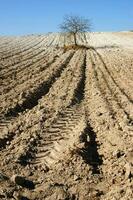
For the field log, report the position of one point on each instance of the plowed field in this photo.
(66, 117)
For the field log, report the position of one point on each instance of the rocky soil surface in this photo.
(66, 117)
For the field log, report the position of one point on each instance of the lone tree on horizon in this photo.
(74, 24)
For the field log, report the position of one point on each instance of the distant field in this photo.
(66, 117)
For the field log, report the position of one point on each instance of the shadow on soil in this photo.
(79, 92)
(89, 152)
(32, 100)
(86, 47)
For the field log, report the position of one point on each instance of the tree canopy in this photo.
(74, 24)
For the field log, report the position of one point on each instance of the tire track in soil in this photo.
(29, 103)
(116, 106)
(61, 137)
(64, 124)
(68, 71)
(65, 134)
(72, 120)
(69, 128)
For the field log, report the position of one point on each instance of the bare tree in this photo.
(74, 24)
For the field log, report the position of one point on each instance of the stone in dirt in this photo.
(19, 180)
(17, 196)
(130, 156)
(3, 177)
(76, 178)
(129, 173)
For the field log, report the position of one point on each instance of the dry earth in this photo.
(66, 117)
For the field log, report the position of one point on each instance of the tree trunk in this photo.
(85, 39)
(75, 39)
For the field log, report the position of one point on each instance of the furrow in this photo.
(30, 70)
(108, 135)
(32, 101)
(116, 109)
(58, 99)
(39, 87)
(22, 64)
(11, 63)
(120, 102)
(121, 97)
(20, 48)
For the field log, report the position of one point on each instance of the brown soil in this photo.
(66, 121)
